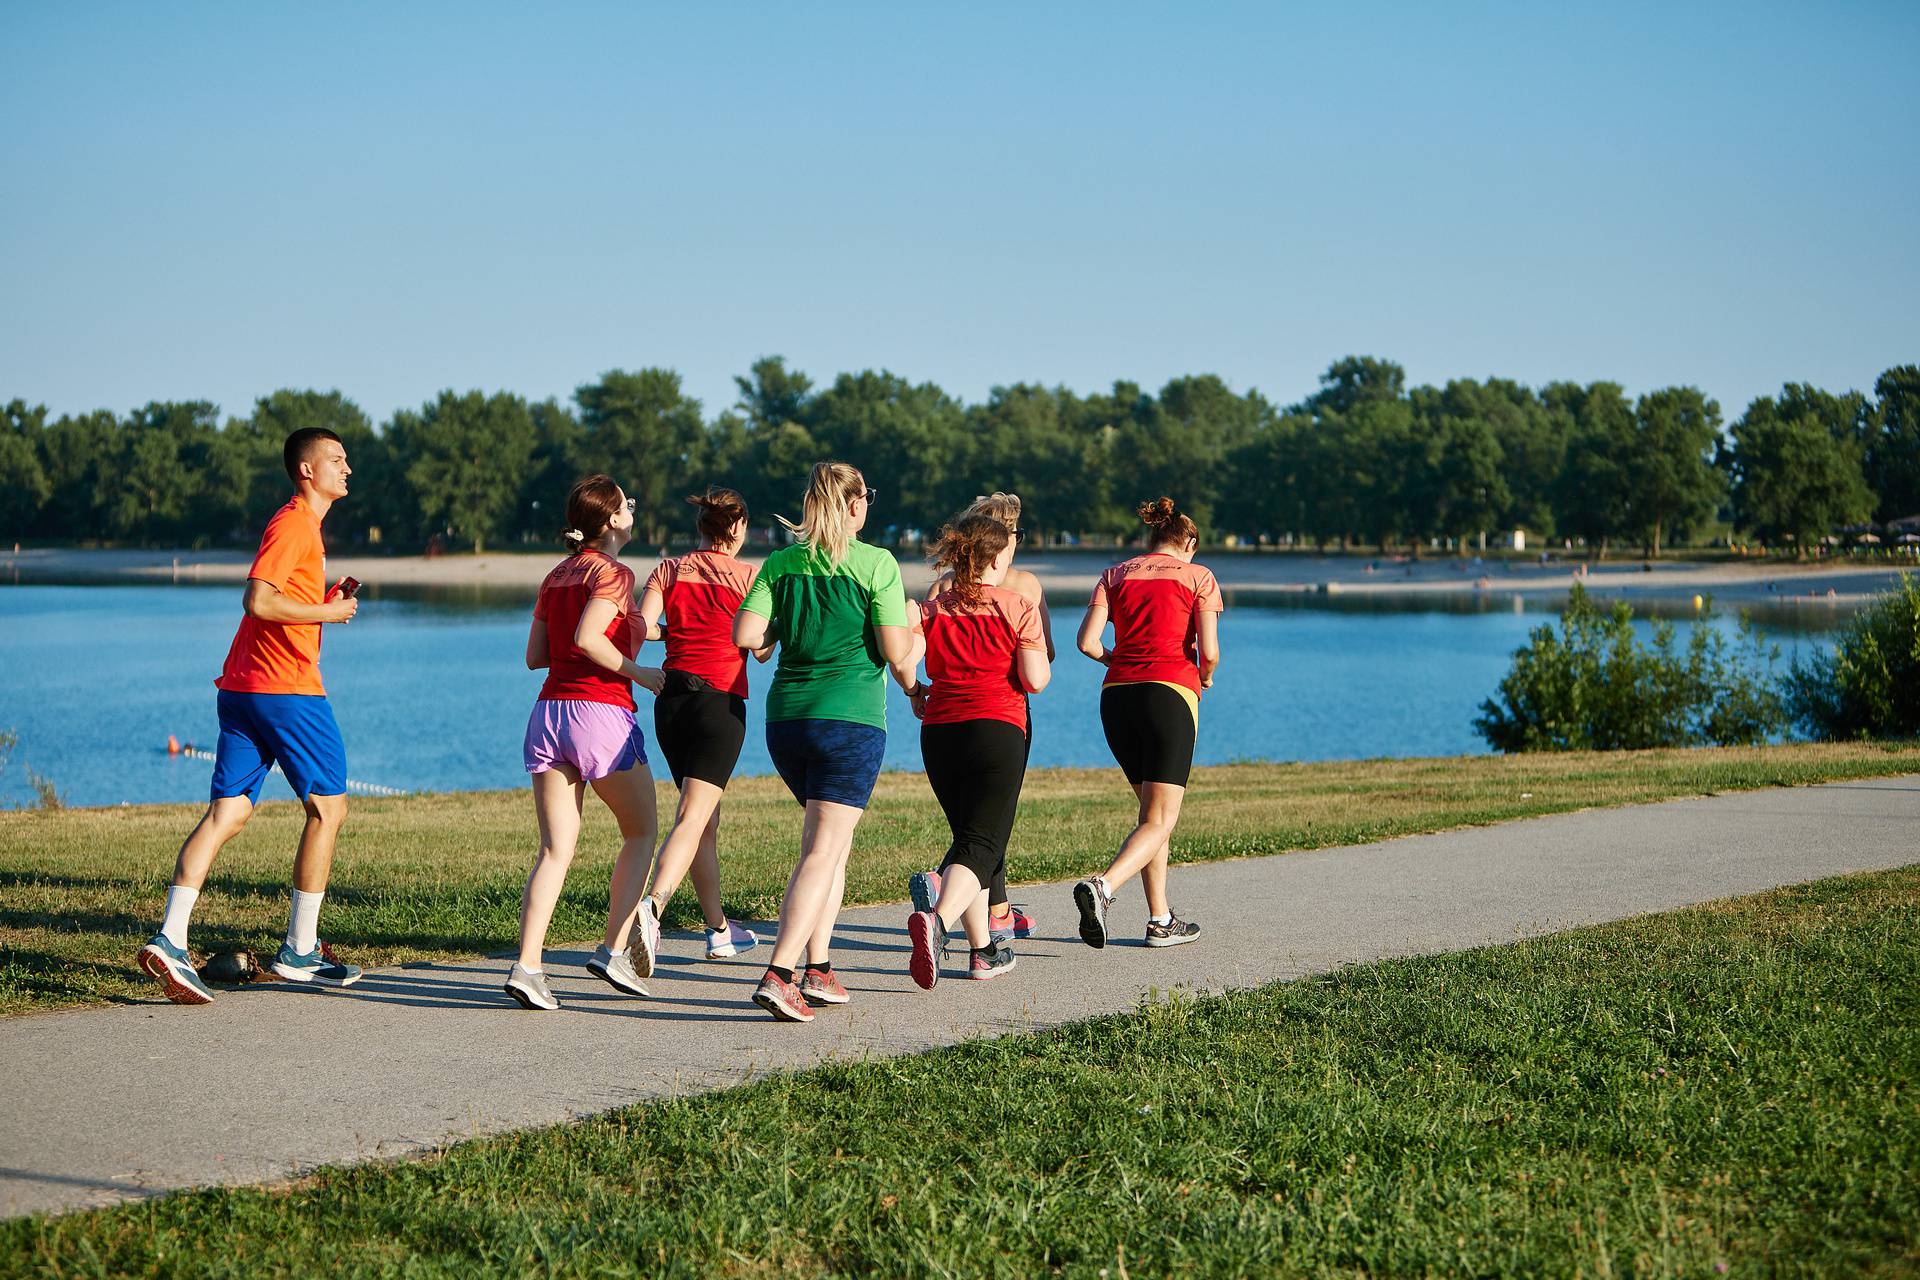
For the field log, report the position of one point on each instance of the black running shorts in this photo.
(1150, 731)
(699, 728)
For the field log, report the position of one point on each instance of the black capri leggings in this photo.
(976, 767)
(1150, 731)
(700, 728)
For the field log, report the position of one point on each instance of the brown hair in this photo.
(827, 510)
(969, 546)
(1171, 526)
(590, 507)
(1004, 507)
(720, 510)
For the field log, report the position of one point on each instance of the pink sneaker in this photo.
(1015, 924)
(928, 939)
(782, 999)
(730, 941)
(981, 969)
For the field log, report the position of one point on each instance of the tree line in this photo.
(1364, 460)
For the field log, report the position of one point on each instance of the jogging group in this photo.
(830, 611)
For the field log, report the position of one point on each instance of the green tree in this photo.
(373, 489)
(1593, 495)
(75, 454)
(1868, 684)
(908, 439)
(1795, 463)
(1670, 472)
(465, 458)
(540, 508)
(24, 488)
(1354, 380)
(644, 431)
(161, 470)
(1893, 450)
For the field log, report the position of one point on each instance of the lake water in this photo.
(432, 694)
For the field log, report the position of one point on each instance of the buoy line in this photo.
(354, 785)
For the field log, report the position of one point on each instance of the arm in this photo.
(266, 602)
(764, 652)
(652, 605)
(753, 631)
(1046, 623)
(590, 637)
(537, 655)
(1091, 628)
(1035, 669)
(903, 650)
(1209, 638)
(1029, 586)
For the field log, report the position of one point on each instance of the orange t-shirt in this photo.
(573, 584)
(282, 657)
(1156, 601)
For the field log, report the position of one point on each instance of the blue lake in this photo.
(432, 695)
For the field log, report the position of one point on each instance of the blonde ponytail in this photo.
(826, 517)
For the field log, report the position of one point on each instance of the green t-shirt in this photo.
(830, 662)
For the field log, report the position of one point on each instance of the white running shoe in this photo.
(730, 941)
(648, 949)
(529, 988)
(615, 968)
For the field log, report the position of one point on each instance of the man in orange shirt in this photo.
(273, 709)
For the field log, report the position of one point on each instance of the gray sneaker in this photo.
(1093, 903)
(616, 969)
(1172, 933)
(530, 989)
(649, 940)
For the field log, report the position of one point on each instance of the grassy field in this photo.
(1727, 1089)
(433, 876)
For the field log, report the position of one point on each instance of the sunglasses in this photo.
(633, 505)
(868, 495)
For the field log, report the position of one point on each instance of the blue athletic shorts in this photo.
(297, 731)
(832, 760)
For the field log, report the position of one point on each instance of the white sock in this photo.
(303, 922)
(1106, 890)
(1165, 919)
(531, 968)
(180, 900)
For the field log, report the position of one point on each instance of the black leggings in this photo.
(976, 768)
(700, 729)
(1150, 731)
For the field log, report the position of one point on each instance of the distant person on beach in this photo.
(700, 717)
(273, 709)
(835, 606)
(985, 652)
(582, 733)
(1005, 920)
(1166, 647)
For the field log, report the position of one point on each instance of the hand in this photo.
(341, 610)
(919, 700)
(1206, 681)
(652, 679)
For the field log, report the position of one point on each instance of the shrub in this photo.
(1594, 686)
(1869, 685)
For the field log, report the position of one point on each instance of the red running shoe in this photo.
(927, 939)
(1015, 924)
(823, 988)
(782, 999)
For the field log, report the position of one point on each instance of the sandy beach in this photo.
(1068, 573)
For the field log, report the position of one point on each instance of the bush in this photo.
(1869, 685)
(1595, 687)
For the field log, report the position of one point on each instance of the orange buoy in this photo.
(173, 745)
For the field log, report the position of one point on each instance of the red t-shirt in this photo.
(1155, 602)
(282, 657)
(582, 577)
(972, 655)
(701, 591)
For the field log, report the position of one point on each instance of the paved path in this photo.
(107, 1104)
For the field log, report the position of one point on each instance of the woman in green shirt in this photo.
(836, 608)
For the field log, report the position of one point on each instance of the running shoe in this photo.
(928, 943)
(530, 988)
(649, 948)
(172, 968)
(1093, 902)
(984, 967)
(319, 965)
(1015, 924)
(823, 988)
(730, 941)
(1172, 933)
(782, 999)
(924, 888)
(615, 968)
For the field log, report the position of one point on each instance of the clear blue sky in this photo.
(213, 201)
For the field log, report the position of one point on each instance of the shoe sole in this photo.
(920, 889)
(1093, 930)
(292, 974)
(1180, 941)
(988, 975)
(643, 961)
(528, 1001)
(610, 980)
(156, 967)
(779, 1009)
(923, 964)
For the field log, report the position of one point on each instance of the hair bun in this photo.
(1158, 513)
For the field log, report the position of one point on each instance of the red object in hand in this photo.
(347, 587)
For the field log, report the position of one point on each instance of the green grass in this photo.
(436, 876)
(1728, 1087)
